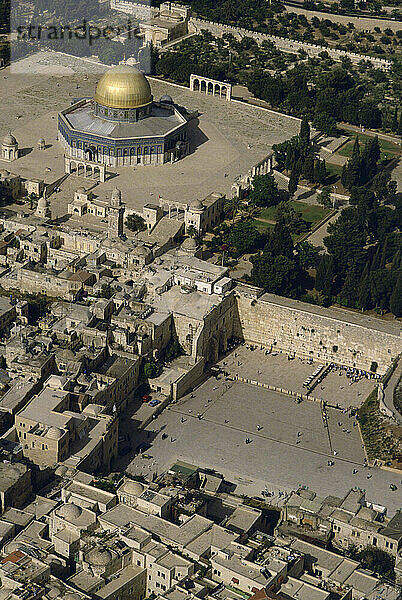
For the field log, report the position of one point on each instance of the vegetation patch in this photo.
(378, 443)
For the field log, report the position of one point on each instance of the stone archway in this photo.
(211, 87)
(212, 350)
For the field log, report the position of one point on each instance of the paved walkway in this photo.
(384, 136)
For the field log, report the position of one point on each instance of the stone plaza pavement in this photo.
(229, 137)
(290, 446)
(276, 370)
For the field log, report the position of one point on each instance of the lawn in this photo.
(387, 148)
(263, 226)
(334, 171)
(310, 212)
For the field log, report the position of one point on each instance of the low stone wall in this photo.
(273, 388)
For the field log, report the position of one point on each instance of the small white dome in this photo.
(135, 488)
(9, 140)
(99, 557)
(69, 511)
(196, 205)
(55, 433)
(42, 203)
(189, 244)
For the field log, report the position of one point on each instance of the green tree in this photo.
(371, 155)
(395, 122)
(151, 370)
(325, 275)
(276, 274)
(280, 241)
(307, 254)
(243, 238)
(135, 223)
(377, 560)
(325, 123)
(293, 220)
(324, 198)
(396, 297)
(320, 171)
(365, 288)
(293, 182)
(304, 135)
(265, 191)
(350, 289)
(346, 239)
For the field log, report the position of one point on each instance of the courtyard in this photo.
(227, 140)
(275, 369)
(289, 444)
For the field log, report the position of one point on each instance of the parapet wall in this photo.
(327, 335)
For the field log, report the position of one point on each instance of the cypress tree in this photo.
(352, 170)
(304, 135)
(280, 241)
(396, 260)
(364, 288)
(356, 147)
(399, 132)
(376, 263)
(394, 124)
(324, 275)
(395, 302)
(350, 288)
(385, 251)
(293, 181)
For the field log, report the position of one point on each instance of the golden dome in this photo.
(123, 87)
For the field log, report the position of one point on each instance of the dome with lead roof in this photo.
(69, 511)
(99, 557)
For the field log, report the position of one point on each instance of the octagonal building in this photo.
(123, 125)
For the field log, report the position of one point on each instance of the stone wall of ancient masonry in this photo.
(323, 338)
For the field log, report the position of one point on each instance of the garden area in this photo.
(378, 439)
(388, 149)
(311, 214)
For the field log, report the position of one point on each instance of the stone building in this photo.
(15, 485)
(51, 428)
(9, 148)
(131, 128)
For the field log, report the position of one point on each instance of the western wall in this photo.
(324, 334)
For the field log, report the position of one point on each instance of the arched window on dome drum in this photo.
(159, 149)
(145, 149)
(132, 150)
(152, 149)
(139, 150)
(125, 151)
